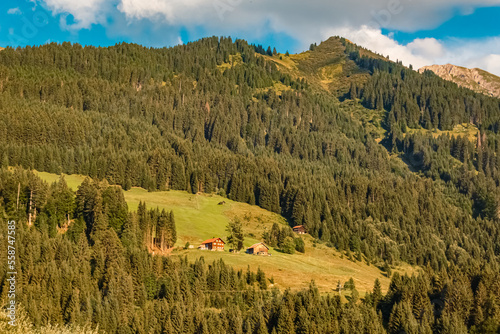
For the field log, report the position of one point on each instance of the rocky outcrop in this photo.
(474, 79)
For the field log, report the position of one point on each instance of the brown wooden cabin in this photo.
(215, 244)
(299, 229)
(258, 249)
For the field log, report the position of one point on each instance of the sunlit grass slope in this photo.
(199, 217)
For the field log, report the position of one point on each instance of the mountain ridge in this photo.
(475, 79)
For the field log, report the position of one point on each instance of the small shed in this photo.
(299, 229)
(215, 244)
(258, 249)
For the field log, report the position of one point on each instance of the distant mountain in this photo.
(476, 79)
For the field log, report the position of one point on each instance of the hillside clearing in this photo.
(466, 130)
(199, 217)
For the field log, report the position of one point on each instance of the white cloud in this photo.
(490, 63)
(14, 11)
(85, 12)
(427, 48)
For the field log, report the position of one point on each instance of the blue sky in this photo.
(483, 23)
(419, 33)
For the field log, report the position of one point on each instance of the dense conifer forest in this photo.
(208, 117)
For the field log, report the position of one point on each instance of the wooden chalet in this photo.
(215, 244)
(299, 229)
(258, 249)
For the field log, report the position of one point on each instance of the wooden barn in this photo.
(215, 244)
(258, 249)
(299, 229)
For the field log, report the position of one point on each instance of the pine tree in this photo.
(284, 324)
(236, 236)
(172, 230)
(261, 279)
(377, 293)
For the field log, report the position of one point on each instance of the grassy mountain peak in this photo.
(326, 66)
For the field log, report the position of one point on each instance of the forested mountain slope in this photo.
(178, 119)
(287, 133)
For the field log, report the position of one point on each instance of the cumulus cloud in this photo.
(306, 21)
(85, 13)
(427, 48)
(490, 63)
(293, 14)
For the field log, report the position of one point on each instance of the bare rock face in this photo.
(475, 79)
